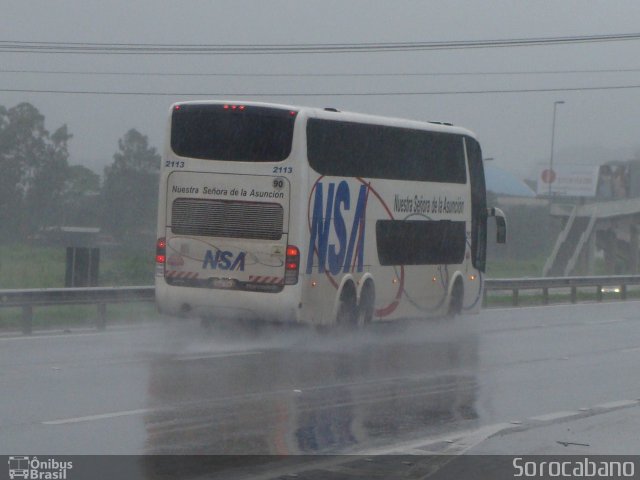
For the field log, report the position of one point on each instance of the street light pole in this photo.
(553, 134)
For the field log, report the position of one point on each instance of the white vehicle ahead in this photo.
(295, 214)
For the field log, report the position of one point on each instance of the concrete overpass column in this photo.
(610, 251)
(590, 254)
(633, 249)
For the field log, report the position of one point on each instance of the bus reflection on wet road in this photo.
(300, 392)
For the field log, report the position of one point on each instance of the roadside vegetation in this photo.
(25, 266)
(78, 316)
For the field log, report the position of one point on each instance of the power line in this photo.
(323, 74)
(18, 46)
(324, 94)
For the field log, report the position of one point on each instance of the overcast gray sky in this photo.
(514, 128)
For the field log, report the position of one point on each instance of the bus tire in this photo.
(455, 302)
(347, 314)
(367, 302)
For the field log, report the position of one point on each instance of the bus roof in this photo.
(335, 114)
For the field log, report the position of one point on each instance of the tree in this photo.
(81, 197)
(44, 199)
(130, 189)
(81, 181)
(34, 166)
(12, 172)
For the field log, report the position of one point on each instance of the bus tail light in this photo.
(161, 251)
(291, 265)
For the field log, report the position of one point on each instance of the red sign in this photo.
(548, 176)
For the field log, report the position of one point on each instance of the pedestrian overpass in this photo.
(612, 226)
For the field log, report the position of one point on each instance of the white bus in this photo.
(295, 214)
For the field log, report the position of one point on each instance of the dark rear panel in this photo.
(224, 218)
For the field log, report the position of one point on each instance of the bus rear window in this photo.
(349, 149)
(219, 132)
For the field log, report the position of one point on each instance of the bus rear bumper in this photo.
(229, 304)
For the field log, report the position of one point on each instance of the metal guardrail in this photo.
(101, 296)
(515, 285)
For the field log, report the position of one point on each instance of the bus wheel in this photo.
(347, 315)
(367, 301)
(455, 303)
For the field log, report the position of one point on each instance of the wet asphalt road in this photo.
(169, 388)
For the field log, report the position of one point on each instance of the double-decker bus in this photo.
(294, 214)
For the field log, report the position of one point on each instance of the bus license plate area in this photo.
(226, 283)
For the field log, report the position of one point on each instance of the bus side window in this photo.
(478, 205)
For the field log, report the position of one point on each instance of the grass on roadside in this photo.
(77, 315)
(27, 266)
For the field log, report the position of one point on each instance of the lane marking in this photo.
(549, 417)
(89, 418)
(630, 349)
(55, 335)
(608, 322)
(467, 442)
(457, 443)
(616, 405)
(126, 413)
(114, 330)
(189, 358)
(447, 447)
